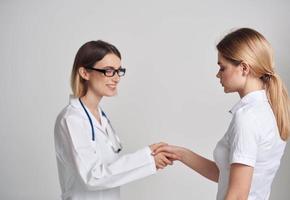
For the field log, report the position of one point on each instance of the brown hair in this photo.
(87, 55)
(249, 46)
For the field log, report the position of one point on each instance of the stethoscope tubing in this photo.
(93, 131)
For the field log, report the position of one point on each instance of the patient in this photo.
(248, 156)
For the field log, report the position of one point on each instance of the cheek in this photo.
(226, 77)
(233, 80)
(229, 77)
(100, 86)
(98, 83)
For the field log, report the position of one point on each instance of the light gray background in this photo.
(170, 92)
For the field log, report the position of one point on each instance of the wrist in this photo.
(182, 152)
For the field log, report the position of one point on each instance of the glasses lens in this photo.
(109, 72)
(121, 72)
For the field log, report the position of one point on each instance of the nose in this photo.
(218, 75)
(116, 78)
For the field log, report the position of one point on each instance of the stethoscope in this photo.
(118, 146)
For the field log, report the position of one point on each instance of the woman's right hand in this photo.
(155, 146)
(175, 152)
(162, 159)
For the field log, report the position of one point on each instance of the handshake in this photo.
(165, 154)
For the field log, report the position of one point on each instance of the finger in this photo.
(154, 147)
(168, 162)
(159, 166)
(164, 158)
(162, 163)
(162, 149)
(171, 156)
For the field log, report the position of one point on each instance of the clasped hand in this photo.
(164, 154)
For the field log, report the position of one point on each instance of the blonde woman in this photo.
(248, 156)
(89, 161)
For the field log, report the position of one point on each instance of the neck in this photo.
(91, 100)
(252, 84)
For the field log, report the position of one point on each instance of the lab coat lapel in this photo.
(76, 103)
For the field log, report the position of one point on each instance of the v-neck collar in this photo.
(74, 101)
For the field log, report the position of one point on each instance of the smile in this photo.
(112, 86)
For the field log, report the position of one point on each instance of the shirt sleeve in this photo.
(243, 139)
(97, 175)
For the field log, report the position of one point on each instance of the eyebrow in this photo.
(111, 67)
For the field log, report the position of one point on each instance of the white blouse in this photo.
(252, 139)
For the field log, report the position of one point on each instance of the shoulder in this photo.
(68, 113)
(257, 116)
(245, 124)
(245, 116)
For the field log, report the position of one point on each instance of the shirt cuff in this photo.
(151, 158)
(240, 159)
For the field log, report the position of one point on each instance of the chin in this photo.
(228, 90)
(111, 93)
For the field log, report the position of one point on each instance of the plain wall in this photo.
(170, 92)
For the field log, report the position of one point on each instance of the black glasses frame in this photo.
(107, 72)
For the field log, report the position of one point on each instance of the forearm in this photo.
(201, 165)
(125, 169)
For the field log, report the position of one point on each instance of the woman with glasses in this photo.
(87, 148)
(248, 156)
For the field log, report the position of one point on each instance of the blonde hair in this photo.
(78, 84)
(87, 55)
(249, 46)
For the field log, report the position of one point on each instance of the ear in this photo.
(84, 73)
(245, 68)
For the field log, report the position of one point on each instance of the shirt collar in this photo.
(256, 96)
(74, 101)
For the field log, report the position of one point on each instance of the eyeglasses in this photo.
(110, 72)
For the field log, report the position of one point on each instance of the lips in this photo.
(112, 86)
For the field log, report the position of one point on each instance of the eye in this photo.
(109, 70)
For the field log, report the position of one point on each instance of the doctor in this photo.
(87, 148)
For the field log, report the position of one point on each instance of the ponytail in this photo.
(279, 100)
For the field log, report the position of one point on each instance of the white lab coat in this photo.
(91, 170)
